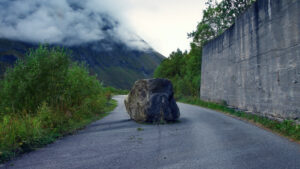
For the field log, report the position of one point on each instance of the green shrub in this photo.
(38, 78)
(45, 96)
(183, 69)
(113, 91)
(19, 132)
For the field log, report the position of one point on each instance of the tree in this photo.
(217, 18)
(184, 68)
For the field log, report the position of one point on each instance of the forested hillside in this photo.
(184, 68)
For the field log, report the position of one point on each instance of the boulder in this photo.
(151, 100)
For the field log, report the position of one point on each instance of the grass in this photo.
(24, 133)
(286, 128)
(114, 91)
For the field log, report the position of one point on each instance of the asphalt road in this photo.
(203, 139)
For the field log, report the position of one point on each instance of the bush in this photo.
(40, 77)
(47, 75)
(113, 91)
(45, 96)
(183, 69)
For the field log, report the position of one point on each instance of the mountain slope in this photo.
(117, 55)
(114, 63)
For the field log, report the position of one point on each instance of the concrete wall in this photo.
(255, 65)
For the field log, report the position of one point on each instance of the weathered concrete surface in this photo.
(255, 65)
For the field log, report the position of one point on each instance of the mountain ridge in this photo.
(114, 62)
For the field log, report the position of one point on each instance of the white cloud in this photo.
(68, 22)
(165, 23)
(162, 23)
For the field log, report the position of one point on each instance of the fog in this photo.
(67, 22)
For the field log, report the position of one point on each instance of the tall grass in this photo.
(45, 96)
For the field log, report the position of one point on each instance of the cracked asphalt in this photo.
(203, 139)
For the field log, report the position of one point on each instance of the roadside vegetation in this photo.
(286, 128)
(46, 96)
(113, 91)
(183, 68)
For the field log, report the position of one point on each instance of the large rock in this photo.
(151, 100)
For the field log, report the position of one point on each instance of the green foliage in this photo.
(114, 91)
(184, 68)
(44, 97)
(217, 18)
(40, 77)
(286, 128)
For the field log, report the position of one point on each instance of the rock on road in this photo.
(202, 139)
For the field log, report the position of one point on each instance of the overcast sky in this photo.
(164, 24)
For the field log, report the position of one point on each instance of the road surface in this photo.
(203, 139)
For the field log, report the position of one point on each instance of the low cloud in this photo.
(67, 22)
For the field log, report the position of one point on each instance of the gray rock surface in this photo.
(151, 100)
(255, 64)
